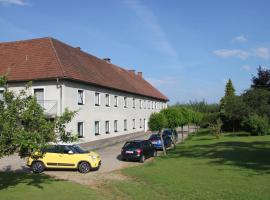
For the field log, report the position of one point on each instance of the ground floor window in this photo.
(80, 129)
(1, 95)
(125, 125)
(107, 126)
(115, 126)
(96, 127)
(134, 125)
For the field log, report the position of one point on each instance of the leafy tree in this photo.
(215, 127)
(196, 118)
(157, 122)
(258, 101)
(262, 81)
(173, 119)
(184, 119)
(256, 124)
(24, 126)
(234, 111)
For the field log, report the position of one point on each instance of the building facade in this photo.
(109, 100)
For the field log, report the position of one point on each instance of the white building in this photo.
(110, 100)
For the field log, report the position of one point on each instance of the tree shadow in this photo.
(249, 155)
(10, 178)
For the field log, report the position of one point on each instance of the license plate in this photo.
(129, 152)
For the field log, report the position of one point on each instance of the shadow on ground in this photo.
(9, 178)
(250, 155)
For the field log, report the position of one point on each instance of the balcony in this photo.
(50, 107)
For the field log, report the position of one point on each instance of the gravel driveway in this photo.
(110, 163)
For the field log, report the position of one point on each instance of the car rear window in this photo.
(133, 145)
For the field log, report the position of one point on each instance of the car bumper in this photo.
(130, 157)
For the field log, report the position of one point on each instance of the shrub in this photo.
(256, 124)
(215, 128)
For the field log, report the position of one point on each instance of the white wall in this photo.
(89, 113)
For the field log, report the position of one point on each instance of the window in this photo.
(97, 100)
(115, 101)
(107, 98)
(107, 126)
(144, 104)
(148, 104)
(96, 127)
(80, 127)
(133, 121)
(39, 93)
(134, 103)
(125, 125)
(115, 126)
(140, 123)
(140, 104)
(80, 97)
(1, 95)
(153, 105)
(125, 102)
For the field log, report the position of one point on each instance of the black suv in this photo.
(138, 150)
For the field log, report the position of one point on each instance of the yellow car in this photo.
(64, 156)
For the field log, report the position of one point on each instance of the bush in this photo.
(215, 128)
(256, 124)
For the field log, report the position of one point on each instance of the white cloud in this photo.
(240, 38)
(262, 52)
(14, 2)
(246, 68)
(150, 20)
(224, 53)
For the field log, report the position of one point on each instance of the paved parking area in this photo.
(110, 163)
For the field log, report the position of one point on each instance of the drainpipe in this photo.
(59, 85)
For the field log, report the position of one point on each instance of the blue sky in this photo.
(187, 49)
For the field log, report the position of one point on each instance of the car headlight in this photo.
(93, 157)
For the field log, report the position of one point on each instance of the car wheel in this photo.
(37, 167)
(84, 167)
(142, 159)
(155, 154)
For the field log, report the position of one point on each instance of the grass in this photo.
(21, 186)
(205, 168)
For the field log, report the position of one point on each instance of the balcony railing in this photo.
(49, 106)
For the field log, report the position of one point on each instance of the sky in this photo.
(188, 49)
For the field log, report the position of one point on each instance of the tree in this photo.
(24, 126)
(262, 81)
(173, 118)
(256, 124)
(229, 92)
(258, 101)
(184, 119)
(234, 111)
(157, 122)
(196, 119)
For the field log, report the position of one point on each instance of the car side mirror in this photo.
(70, 152)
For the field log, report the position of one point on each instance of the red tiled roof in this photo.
(48, 58)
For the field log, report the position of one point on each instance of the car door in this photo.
(66, 160)
(51, 156)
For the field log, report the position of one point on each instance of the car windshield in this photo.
(132, 145)
(77, 149)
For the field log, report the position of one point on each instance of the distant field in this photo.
(232, 167)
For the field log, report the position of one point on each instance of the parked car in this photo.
(138, 150)
(171, 133)
(64, 156)
(156, 141)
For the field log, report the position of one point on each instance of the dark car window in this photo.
(63, 149)
(157, 137)
(78, 149)
(50, 149)
(132, 145)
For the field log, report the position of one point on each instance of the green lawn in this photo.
(232, 167)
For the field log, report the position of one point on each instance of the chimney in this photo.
(108, 60)
(140, 74)
(79, 48)
(132, 71)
